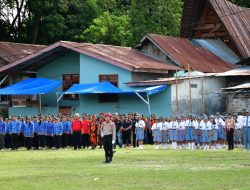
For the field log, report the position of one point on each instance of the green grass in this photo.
(131, 169)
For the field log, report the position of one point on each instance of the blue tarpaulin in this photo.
(92, 88)
(106, 87)
(31, 86)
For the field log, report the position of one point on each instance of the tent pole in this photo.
(3, 79)
(146, 102)
(149, 109)
(40, 104)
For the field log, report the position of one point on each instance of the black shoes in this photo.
(107, 160)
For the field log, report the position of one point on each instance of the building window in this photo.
(113, 79)
(68, 81)
(193, 85)
(19, 101)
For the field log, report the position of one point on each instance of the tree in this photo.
(54, 20)
(155, 16)
(109, 29)
(242, 3)
(13, 13)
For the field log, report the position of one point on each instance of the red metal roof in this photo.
(14, 51)
(237, 21)
(127, 58)
(183, 52)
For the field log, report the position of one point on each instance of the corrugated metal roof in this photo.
(170, 80)
(241, 71)
(14, 51)
(220, 49)
(238, 87)
(237, 21)
(190, 55)
(123, 57)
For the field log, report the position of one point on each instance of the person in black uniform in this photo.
(118, 126)
(126, 131)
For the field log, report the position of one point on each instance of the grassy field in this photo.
(131, 169)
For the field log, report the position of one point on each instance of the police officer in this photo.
(108, 133)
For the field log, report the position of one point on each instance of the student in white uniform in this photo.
(221, 130)
(140, 125)
(206, 127)
(156, 132)
(181, 132)
(173, 132)
(214, 133)
(165, 133)
(238, 131)
(191, 126)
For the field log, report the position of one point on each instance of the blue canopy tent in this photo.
(107, 87)
(31, 86)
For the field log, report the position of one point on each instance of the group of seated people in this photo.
(83, 131)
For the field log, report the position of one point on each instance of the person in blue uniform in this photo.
(69, 131)
(36, 128)
(15, 129)
(28, 132)
(21, 139)
(2, 132)
(49, 132)
(65, 124)
(57, 132)
(7, 138)
(41, 132)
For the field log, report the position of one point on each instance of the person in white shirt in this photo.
(173, 132)
(181, 131)
(214, 133)
(221, 130)
(140, 126)
(206, 128)
(165, 133)
(191, 126)
(246, 129)
(238, 131)
(156, 132)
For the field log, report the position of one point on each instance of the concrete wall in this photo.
(238, 102)
(24, 111)
(67, 64)
(91, 68)
(213, 101)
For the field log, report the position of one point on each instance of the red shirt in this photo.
(77, 125)
(85, 128)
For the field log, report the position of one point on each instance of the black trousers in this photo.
(14, 141)
(57, 141)
(70, 139)
(7, 141)
(21, 140)
(49, 141)
(1, 141)
(29, 142)
(41, 139)
(64, 140)
(107, 145)
(126, 137)
(134, 140)
(85, 140)
(35, 141)
(230, 139)
(77, 139)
